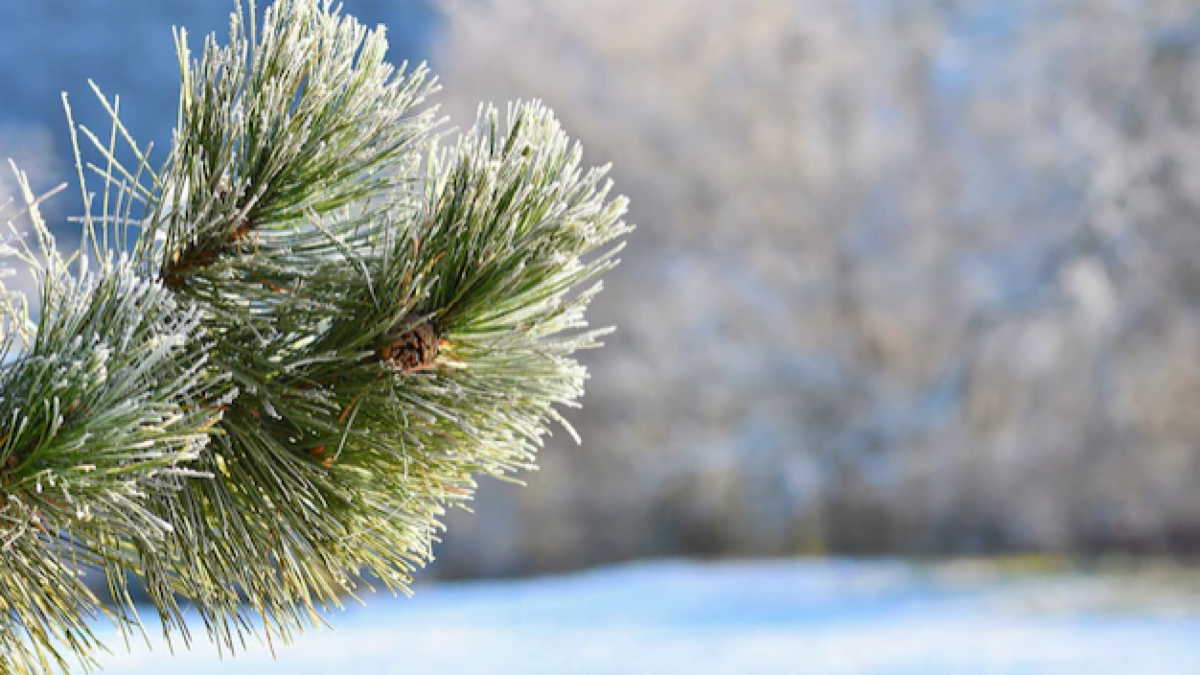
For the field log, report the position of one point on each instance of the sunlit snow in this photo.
(752, 617)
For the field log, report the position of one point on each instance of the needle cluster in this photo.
(284, 352)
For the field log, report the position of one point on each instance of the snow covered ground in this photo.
(748, 617)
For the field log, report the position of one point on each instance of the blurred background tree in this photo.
(912, 278)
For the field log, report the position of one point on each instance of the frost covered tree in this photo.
(922, 275)
(282, 353)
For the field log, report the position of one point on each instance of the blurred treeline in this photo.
(911, 277)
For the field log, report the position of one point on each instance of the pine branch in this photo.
(102, 411)
(325, 331)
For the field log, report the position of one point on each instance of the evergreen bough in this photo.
(282, 354)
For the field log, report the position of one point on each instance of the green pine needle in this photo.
(324, 331)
